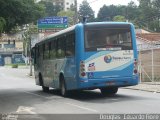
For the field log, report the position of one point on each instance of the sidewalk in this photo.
(147, 86)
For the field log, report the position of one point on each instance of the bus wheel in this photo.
(109, 90)
(45, 89)
(63, 87)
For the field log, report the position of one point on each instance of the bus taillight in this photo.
(135, 71)
(83, 74)
(82, 69)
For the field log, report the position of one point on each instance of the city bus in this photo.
(87, 56)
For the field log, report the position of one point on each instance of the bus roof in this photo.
(57, 34)
(73, 27)
(99, 23)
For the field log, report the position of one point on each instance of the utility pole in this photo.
(30, 55)
(27, 37)
(127, 14)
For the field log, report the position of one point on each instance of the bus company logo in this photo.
(107, 58)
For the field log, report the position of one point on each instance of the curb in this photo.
(155, 91)
(30, 76)
(150, 83)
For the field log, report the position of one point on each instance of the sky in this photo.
(97, 4)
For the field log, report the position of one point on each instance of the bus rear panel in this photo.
(108, 56)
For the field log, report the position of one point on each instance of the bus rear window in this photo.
(108, 39)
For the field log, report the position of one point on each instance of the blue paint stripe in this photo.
(123, 66)
(98, 55)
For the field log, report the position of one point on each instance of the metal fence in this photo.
(149, 64)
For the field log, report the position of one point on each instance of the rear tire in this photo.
(44, 88)
(63, 89)
(109, 90)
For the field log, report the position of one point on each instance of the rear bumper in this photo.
(108, 82)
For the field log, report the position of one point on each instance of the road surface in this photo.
(20, 95)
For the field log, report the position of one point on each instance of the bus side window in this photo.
(38, 53)
(61, 47)
(53, 49)
(49, 45)
(46, 50)
(70, 45)
(41, 51)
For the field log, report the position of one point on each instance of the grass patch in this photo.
(19, 64)
(14, 65)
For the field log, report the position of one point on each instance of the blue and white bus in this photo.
(100, 55)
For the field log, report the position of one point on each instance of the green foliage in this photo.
(19, 12)
(70, 14)
(33, 29)
(107, 13)
(14, 65)
(150, 14)
(132, 11)
(50, 9)
(2, 24)
(86, 11)
(145, 16)
(119, 18)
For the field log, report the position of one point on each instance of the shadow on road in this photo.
(37, 98)
(93, 96)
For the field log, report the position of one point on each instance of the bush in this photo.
(15, 66)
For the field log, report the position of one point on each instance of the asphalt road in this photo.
(20, 95)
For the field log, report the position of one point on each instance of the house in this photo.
(146, 41)
(11, 49)
(148, 45)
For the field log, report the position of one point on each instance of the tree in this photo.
(50, 9)
(103, 14)
(156, 4)
(119, 18)
(148, 14)
(2, 24)
(86, 11)
(107, 13)
(132, 11)
(19, 12)
(73, 7)
(70, 14)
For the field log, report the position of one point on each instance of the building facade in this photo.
(66, 4)
(11, 49)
